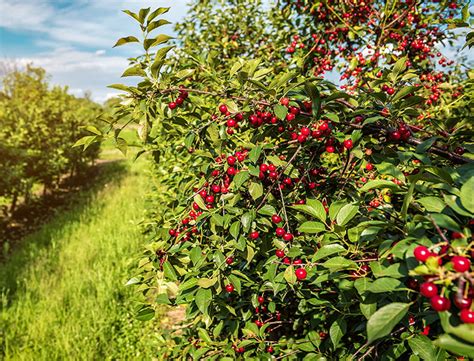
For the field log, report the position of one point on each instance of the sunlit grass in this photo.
(63, 291)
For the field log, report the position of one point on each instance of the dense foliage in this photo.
(294, 217)
(39, 126)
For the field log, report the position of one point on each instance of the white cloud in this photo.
(77, 39)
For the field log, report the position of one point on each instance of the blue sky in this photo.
(73, 39)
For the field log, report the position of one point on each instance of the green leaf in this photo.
(400, 66)
(195, 255)
(203, 299)
(313, 93)
(432, 204)
(404, 92)
(169, 272)
(132, 14)
(390, 169)
(378, 184)
(455, 346)
(467, 198)
(423, 347)
(346, 214)
(119, 87)
(328, 250)
(206, 282)
(156, 24)
(159, 58)
(240, 178)
(382, 322)
(337, 330)
(290, 275)
(385, 284)
(156, 13)
(267, 210)
(311, 227)
(203, 335)
(157, 40)
(235, 229)
(256, 190)
(313, 207)
(447, 222)
(423, 147)
(280, 111)
(134, 70)
(145, 314)
(339, 263)
(126, 40)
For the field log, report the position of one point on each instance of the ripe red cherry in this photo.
(301, 273)
(428, 289)
(231, 160)
(172, 232)
(254, 235)
(223, 108)
(229, 288)
(348, 144)
(305, 131)
(288, 237)
(284, 101)
(276, 218)
(231, 171)
(259, 323)
(369, 166)
(301, 138)
(467, 316)
(229, 260)
(390, 91)
(172, 105)
(421, 253)
(462, 303)
(461, 264)
(210, 199)
(280, 253)
(440, 303)
(395, 135)
(330, 149)
(270, 349)
(261, 299)
(280, 232)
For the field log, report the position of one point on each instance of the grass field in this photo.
(63, 295)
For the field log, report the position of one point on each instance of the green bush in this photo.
(39, 126)
(291, 215)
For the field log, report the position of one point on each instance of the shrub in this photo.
(296, 218)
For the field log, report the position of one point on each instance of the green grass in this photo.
(63, 294)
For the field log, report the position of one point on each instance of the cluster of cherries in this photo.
(462, 299)
(183, 95)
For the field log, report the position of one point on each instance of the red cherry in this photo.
(231, 160)
(369, 166)
(286, 260)
(276, 218)
(395, 135)
(284, 101)
(428, 289)
(259, 323)
(348, 144)
(462, 303)
(288, 237)
(421, 253)
(261, 299)
(390, 91)
(301, 273)
(210, 199)
(270, 349)
(229, 260)
(172, 105)
(254, 235)
(280, 232)
(172, 232)
(301, 138)
(229, 288)
(330, 149)
(440, 303)
(461, 264)
(467, 316)
(223, 108)
(280, 253)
